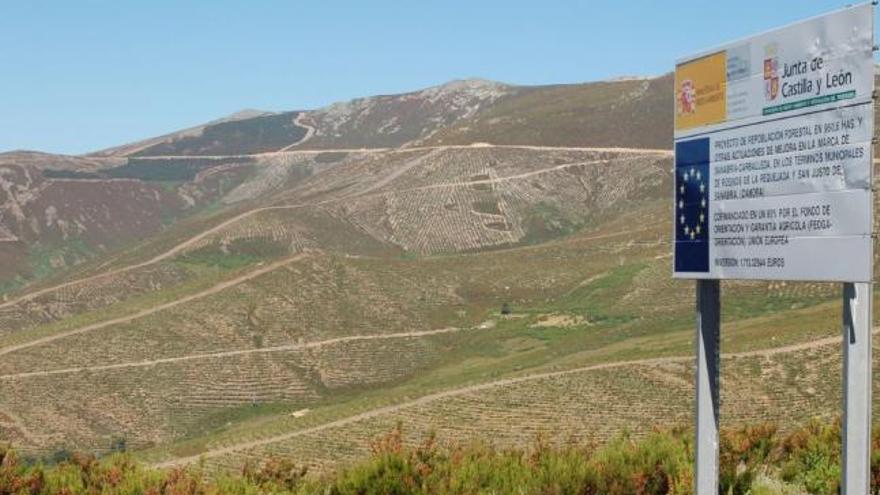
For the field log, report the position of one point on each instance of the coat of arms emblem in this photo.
(687, 97)
(771, 72)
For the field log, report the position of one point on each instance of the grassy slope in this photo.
(614, 329)
(380, 280)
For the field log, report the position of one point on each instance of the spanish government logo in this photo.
(692, 205)
(687, 97)
(771, 72)
(701, 91)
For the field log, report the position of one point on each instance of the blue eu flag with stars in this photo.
(692, 205)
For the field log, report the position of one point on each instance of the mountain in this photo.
(374, 122)
(458, 112)
(483, 260)
(152, 183)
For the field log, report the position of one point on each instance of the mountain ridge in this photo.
(474, 91)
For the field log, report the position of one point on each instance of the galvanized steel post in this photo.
(707, 385)
(857, 302)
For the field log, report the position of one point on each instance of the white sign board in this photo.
(773, 154)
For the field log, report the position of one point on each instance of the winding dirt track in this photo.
(310, 131)
(193, 240)
(480, 387)
(496, 180)
(216, 355)
(155, 309)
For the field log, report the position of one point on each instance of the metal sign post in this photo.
(857, 302)
(707, 384)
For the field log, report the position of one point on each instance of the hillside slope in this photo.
(153, 184)
(628, 113)
(474, 257)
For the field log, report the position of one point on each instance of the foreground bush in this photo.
(755, 460)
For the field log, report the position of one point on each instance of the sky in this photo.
(81, 76)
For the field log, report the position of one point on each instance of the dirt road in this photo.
(152, 261)
(480, 387)
(639, 151)
(310, 131)
(155, 309)
(370, 190)
(217, 355)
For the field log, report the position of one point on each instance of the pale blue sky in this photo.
(83, 75)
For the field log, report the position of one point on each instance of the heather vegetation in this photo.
(258, 134)
(756, 460)
(157, 170)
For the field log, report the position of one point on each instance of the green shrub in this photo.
(810, 456)
(754, 460)
(659, 464)
(743, 452)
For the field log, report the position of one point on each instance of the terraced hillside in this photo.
(326, 284)
(477, 259)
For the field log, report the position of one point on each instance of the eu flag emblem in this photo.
(692, 205)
